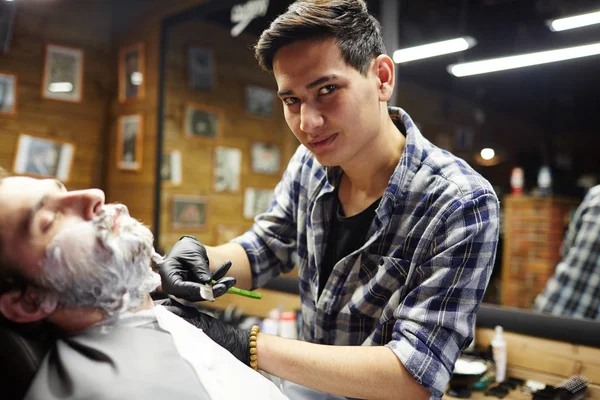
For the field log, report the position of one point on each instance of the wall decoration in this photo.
(63, 74)
(188, 212)
(259, 100)
(8, 94)
(225, 233)
(463, 138)
(201, 68)
(202, 121)
(7, 23)
(44, 157)
(266, 158)
(129, 142)
(170, 170)
(228, 165)
(132, 72)
(256, 201)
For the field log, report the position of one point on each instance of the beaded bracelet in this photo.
(253, 353)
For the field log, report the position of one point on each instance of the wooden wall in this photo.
(69, 23)
(235, 68)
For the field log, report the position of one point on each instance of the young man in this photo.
(69, 259)
(394, 239)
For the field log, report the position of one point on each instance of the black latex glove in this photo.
(234, 340)
(186, 265)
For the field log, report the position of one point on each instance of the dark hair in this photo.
(348, 22)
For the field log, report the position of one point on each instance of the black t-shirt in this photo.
(346, 234)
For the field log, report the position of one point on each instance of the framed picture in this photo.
(201, 68)
(129, 142)
(201, 121)
(170, 170)
(44, 157)
(188, 212)
(265, 158)
(228, 166)
(225, 233)
(63, 74)
(256, 201)
(7, 23)
(131, 72)
(259, 100)
(8, 94)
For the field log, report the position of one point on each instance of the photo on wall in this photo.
(131, 72)
(8, 94)
(44, 157)
(259, 100)
(63, 74)
(201, 68)
(170, 170)
(188, 212)
(129, 142)
(256, 201)
(265, 158)
(228, 167)
(201, 121)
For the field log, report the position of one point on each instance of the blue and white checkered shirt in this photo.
(574, 289)
(417, 281)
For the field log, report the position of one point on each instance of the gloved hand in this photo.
(234, 340)
(186, 265)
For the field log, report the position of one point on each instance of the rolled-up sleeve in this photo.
(435, 321)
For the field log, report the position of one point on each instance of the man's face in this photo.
(71, 243)
(331, 107)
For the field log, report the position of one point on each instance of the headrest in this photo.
(22, 349)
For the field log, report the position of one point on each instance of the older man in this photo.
(69, 259)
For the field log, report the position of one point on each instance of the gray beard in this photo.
(87, 265)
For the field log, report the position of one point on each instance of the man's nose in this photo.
(311, 119)
(87, 203)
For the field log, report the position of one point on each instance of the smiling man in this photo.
(84, 266)
(394, 239)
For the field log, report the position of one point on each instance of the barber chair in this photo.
(22, 349)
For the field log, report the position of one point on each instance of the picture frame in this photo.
(130, 142)
(188, 212)
(256, 201)
(132, 72)
(170, 171)
(265, 158)
(201, 121)
(63, 73)
(44, 157)
(227, 170)
(7, 23)
(201, 68)
(259, 100)
(8, 94)
(225, 233)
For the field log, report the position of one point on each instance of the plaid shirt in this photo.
(574, 290)
(417, 281)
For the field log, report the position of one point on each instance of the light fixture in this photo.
(136, 78)
(487, 153)
(60, 87)
(433, 49)
(523, 60)
(575, 21)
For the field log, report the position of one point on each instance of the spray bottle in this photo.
(499, 353)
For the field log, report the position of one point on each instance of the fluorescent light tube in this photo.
(433, 49)
(576, 21)
(523, 60)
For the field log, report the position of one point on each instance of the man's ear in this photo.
(27, 306)
(385, 71)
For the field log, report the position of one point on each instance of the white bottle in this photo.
(499, 352)
(287, 325)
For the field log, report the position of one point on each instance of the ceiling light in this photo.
(433, 49)
(60, 87)
(575, 21)
(523, 60)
